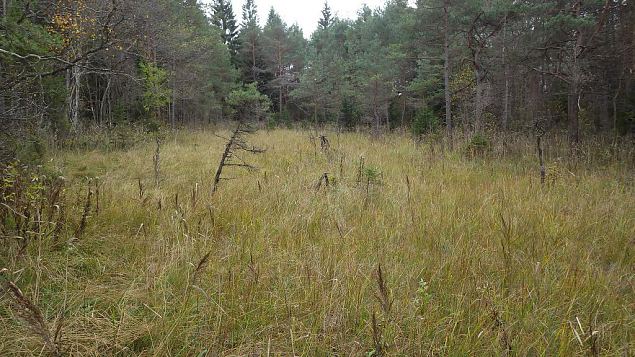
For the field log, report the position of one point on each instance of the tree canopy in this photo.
(475, 64)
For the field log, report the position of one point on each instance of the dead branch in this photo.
(235, 144)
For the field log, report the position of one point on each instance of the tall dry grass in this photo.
(476, 256)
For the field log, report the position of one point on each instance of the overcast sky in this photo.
(305, 13)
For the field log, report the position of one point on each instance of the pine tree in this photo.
(284, 52)
(326, 19)
(223, 18)
(250, 53)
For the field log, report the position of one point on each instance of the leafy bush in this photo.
(273, 121)
(478, 145)
(425, 122)
(30, 204)
(31, 150)
(157, 94)
(152, 126)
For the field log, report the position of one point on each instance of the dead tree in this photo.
(235, 144)
(541, 159)
(540, 132)
(156, 161)
(324, 143)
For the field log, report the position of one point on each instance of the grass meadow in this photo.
(412, 249)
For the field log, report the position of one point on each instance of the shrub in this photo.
(30, 203)
(157, 94)
(280, 119)
(31, 150)
(478, 145)
(350, 113)
(425, 122)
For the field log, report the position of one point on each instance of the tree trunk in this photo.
(280, 100)
(446, 68)
(614, 101)
(505, 119)
(3, 109)
(172, 104)
(574, 94)
(403, 110)
(173, 109)
(478, 100)
(573, 98)
(73, 82)
(375, 106)
(253, 61)
(280, 73)
(104, 98)
(572, 112)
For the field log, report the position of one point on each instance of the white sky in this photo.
(305, 13)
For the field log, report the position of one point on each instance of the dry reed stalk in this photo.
(84, 220)
(141, 189)
(32, 315)
(360, 170)
(383, 293)
(97, 194)
(200, 267)
(504, 335)
(377, 339)
(194, 195)
(253, 268)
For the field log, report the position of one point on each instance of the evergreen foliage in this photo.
(223, 18)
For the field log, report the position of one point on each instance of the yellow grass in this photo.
(478, 257)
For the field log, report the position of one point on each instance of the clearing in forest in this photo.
(376, 246)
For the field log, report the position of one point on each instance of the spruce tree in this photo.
(223, 18)
(250, 15)
(327, 18)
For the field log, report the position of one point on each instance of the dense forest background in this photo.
(69, 67)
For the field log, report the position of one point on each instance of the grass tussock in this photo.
(410, 249)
